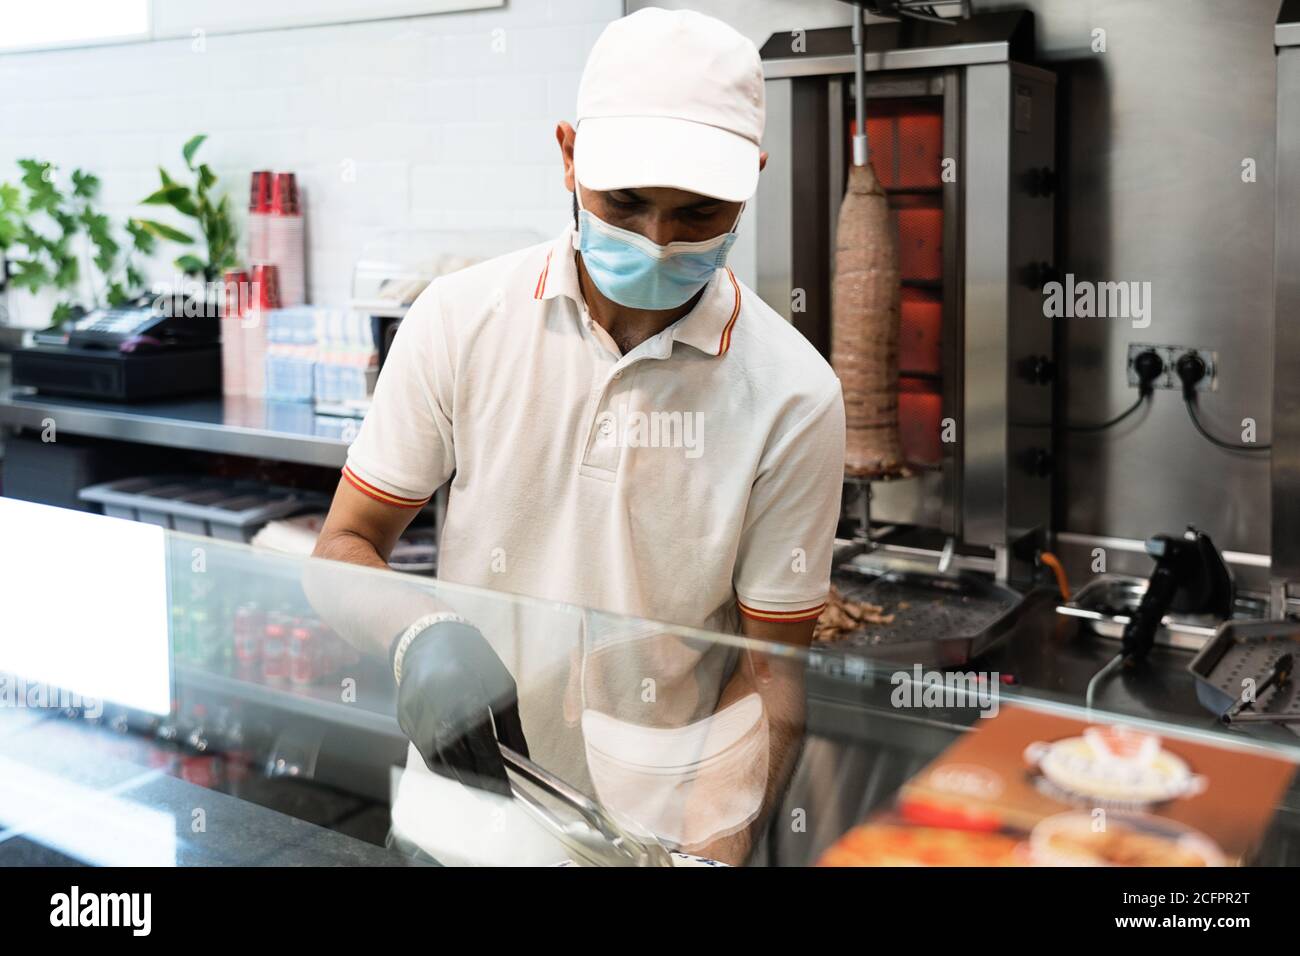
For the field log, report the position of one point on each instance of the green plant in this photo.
(39, 229)
(213, 218)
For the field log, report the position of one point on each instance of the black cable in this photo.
(1190, 402)
(1142, 396)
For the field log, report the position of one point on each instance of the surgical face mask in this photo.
(635, 272)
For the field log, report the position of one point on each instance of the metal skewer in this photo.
(860, 89)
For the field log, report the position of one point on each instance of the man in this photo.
(625, 425)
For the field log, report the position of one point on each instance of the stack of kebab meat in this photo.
(864, 337)
(864, 354)
(865, 329)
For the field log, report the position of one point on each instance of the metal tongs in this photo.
(606, 843)
(1279, 675)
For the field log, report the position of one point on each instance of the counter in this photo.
(236, 425)
(77, 793)
(257, 688)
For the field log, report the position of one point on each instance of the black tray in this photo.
(948, 620)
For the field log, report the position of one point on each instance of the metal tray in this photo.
(1242, 649)
(940, 620)
(1106, 602)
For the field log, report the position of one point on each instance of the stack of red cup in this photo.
(233, 379)
(265, 297)
(285, 239)
(259, 209)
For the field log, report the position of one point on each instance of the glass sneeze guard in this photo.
(181, 700)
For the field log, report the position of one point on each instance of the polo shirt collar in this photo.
(707, 327)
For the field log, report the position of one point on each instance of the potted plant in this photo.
(54, 239)
(212, 217)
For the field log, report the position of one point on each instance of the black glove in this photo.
(454, 689)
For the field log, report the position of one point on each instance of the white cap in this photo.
(671, 98)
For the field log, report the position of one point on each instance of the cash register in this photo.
(162, 349)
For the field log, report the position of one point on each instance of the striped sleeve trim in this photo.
(379, 494)
(782, 617)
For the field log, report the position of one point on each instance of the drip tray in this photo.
(1242, 651)
(939, 620)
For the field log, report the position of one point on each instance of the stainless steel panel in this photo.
(1286, 342)
(772, 203)
(981, 428)
(837, 90)
(954, 302)
(920, 58)
(1032, 95)
(1154, 133)
(813, 248)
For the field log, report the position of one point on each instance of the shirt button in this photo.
(618, 375)
(606, 427)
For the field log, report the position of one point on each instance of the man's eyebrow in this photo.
(634, 196)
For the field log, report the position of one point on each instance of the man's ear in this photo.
(564, 135)
(762, 161)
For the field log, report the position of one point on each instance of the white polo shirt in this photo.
(693, 478)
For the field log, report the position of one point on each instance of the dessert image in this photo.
(1114, 765)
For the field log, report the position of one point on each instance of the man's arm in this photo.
(405, 447)
(778, 680)
(782, 576)
(360, 529)
(455, 698)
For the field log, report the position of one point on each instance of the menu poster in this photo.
(1034, 789)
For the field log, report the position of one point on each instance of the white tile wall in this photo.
(428, 122)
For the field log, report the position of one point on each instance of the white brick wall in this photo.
(441, 130)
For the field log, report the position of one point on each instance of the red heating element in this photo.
(905, 140)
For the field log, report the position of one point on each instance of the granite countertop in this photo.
(68, 800)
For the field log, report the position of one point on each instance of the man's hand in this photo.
(454, 691)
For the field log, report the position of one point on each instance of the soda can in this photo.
(250, 621)
(302, 655)
(275, 668)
